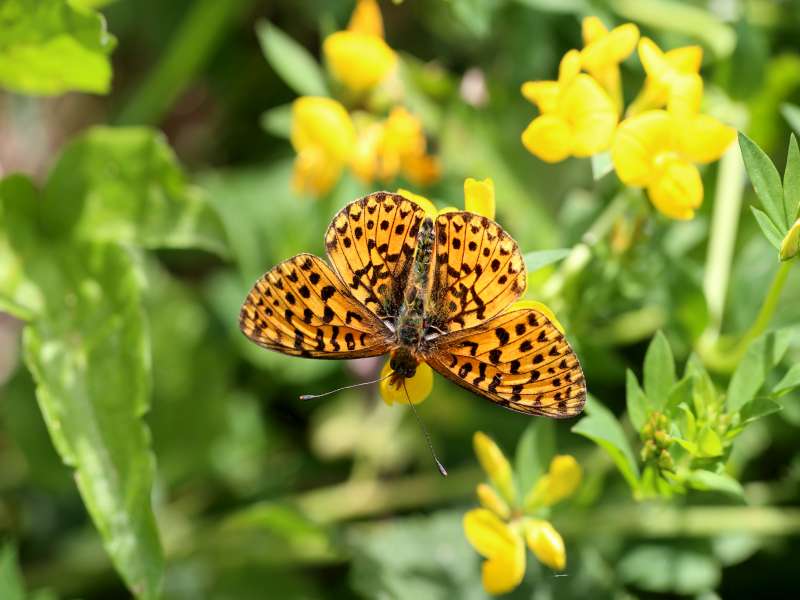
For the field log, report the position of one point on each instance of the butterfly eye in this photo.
(393, 363)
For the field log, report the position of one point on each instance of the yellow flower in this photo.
(602, 52)
(500, 529)
(559, 483)
(791, 243)
(656, 150)
(495, 464)
(358, 56)
(578, 117)
(479, 197)
(323, 136)
(419, 386)
(546, 543)
(502, 547)
(422, 201)
(385, 149)
(672, 78)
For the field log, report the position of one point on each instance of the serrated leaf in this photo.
(659, 371)
(51, 47)
(769, 229)
(791, 113)
(601, 426)
(277, 121)
(717, 482)
(791, 181)
(291, 61)
(535, 450)
(789, 382)
(636, 401)
(542, 258)
(761, 356)
(124, 185)
(766, 181)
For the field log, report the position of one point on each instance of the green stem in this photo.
(768, 307)
(191, 46)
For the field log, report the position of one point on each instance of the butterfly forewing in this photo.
(518, 359)
(371, 243)
(301, 308)
(479, 271)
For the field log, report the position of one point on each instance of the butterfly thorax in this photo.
(410, 324)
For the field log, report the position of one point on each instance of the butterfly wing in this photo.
(301, 308)
(371, 244)
(478, 272)
(518, 359)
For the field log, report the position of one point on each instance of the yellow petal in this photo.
(544, 94)
(422, 169)
(367, 19)
(359, 60)
(560, 482)
(685, 94)
(495, 464)
(703, 139)
(419, 386)
(449, 209)
(546, 543)
(364, 160)
(422, 201)
(403, 133)
(592, 29)
(314, 173)
(491, 500)
(549, 137)
(538, 306)
(653, 60)
(790, 247)
(611, 49)
(686, 59)
(637, 142)
(569, 67)
(322, 123)
(479, 197)
(503, 548)
(677, 189)
(591, 113)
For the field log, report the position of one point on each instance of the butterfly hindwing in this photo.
(479, 271)
(371, 244)
(301, 308)
(518, 359)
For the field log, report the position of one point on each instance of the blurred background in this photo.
(259, 495)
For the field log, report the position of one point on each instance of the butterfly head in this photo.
(403, 365)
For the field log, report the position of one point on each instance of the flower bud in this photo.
(495, 464)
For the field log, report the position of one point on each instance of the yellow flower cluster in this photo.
(663, 133)
(501, 528)
(328, 139)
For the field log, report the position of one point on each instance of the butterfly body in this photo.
(436, 290)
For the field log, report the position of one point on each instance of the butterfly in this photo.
(438, 290)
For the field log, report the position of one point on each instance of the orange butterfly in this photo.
(433, 290)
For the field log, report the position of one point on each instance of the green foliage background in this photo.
(147, 448)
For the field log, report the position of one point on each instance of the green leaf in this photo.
(291, 61)
(278, 121)
(665, 569)
(791, 182)
(709, 443)
(601, 426)
(124, 185)
(90, 359)
(761, 356)
(557, 6)
(716, 482)
(758, 408)
(791, 113)
(766, 181)
(681, 393)
(601, 165)
(49, 47)
(659, 371)
(18, 296)
(636, 401)
(541, 258)
(535, 450)
(769, 229)
(789, 382)
(11, 585)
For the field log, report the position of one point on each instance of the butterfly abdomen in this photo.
(410, 321)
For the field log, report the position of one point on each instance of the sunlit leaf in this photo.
(291, 61)
(50, 47)
(789, 382)
(715, 482)
(791, 181)
(766, 181)
(659, 371)
(541, 258)
(278, 120)
(791, 112)
(636, 401)
(769, 229)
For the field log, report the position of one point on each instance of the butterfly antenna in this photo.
(442, 470)
(346, 387)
